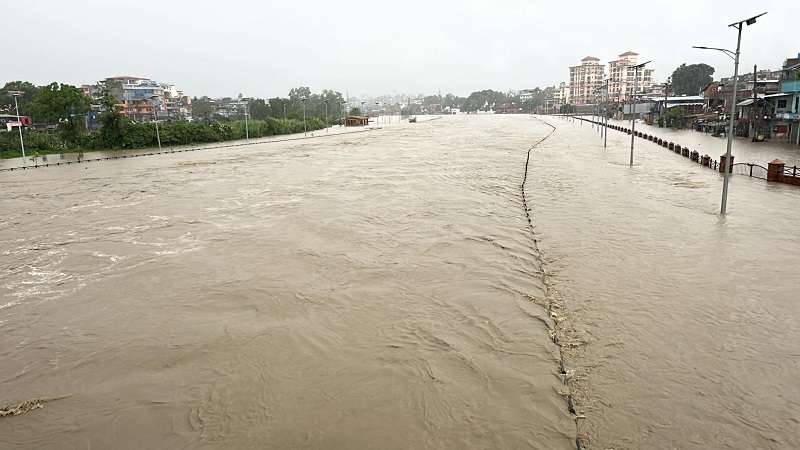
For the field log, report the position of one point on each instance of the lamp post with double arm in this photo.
(16, 94)
(633, 103)
(732, 119)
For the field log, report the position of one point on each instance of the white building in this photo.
(621, 76)
(585, 81)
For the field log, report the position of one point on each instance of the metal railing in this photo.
(793, 171)
(750, 169)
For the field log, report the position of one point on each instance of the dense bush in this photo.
(131, 135)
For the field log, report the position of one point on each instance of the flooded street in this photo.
(690, 321)
(383, 290)
(744, 150)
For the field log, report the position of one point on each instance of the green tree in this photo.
(55, 103)
(258, 109)
(278, 107)
(691, 79)
(61, 104)
(112, 123)
(7, 101)
(202, 108)
(299, 93)
(484, 100)
(673, 118)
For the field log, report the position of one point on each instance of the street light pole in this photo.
(732, 119)
(16, 94)
(305, 127)
(155, 119)
(246, 124)
(605, 119)
(666, 99)
(326, 117)
(633, 104)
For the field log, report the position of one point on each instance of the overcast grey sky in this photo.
(264, 48)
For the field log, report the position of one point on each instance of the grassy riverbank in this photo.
(143, 135)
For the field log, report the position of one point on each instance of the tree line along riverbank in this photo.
(132, 135)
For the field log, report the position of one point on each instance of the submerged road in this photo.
(386, 290)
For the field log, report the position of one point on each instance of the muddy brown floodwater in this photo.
(690, 321)
(384, 290)
(368, 291)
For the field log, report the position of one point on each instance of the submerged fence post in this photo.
(775, 170)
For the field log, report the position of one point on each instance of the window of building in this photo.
(782, 104)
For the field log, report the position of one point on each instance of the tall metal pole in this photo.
(158, 134)
(326, 117)
(633, 103)
(246, 124)
(19, 127)
(605, 117)
(731, 131)
(305, 127)
(753, 113)
(633, 109)
(666, 99)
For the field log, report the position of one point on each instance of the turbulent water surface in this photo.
(367, 291)
(383, 290)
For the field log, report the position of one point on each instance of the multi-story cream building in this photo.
(585, 81)
(621, 74)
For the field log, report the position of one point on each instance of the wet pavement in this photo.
(689, 320)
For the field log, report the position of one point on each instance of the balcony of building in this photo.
(790, 86)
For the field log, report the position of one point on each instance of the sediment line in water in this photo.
(560, 333)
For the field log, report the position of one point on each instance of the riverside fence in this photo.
(776, 171)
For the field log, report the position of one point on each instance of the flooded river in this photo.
(383, 290)
(357, 291)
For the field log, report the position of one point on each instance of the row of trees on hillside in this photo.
(291, 107)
